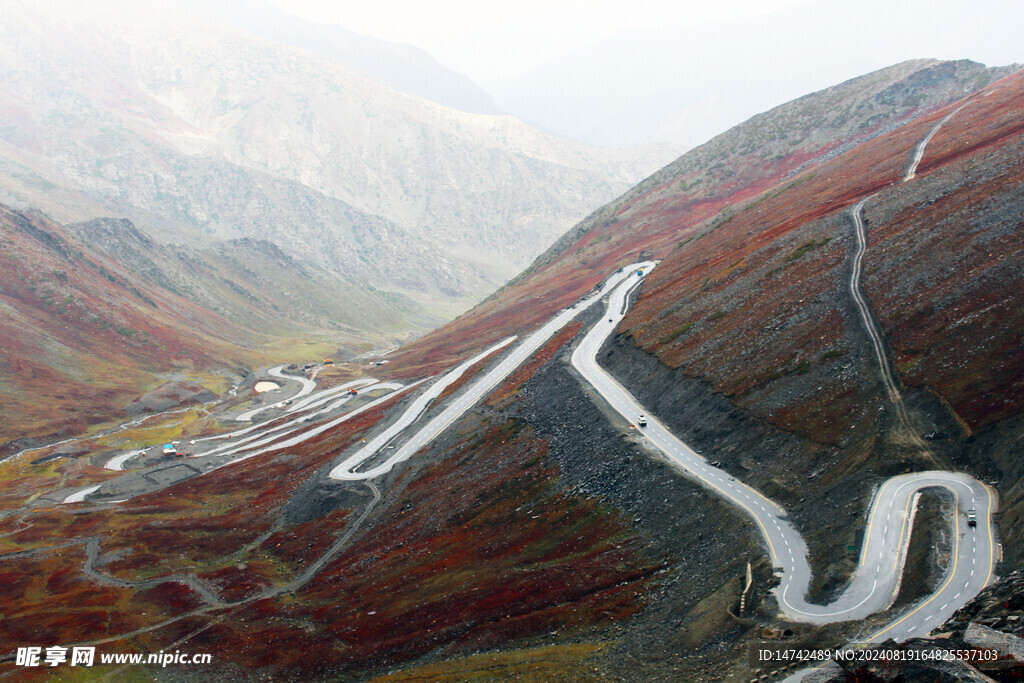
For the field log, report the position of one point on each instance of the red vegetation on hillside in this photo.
(956, 319)
(510, 386)
(656, 218)
(762, 294)
(506, 557)
(77, 338)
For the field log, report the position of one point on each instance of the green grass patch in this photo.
(530, 463)
(669, 338)
(574, 661)
(909, 363)
(833, 353)
(799, 253)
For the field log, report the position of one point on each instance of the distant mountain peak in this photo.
(400, 66)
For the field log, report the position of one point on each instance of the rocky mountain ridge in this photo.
(709, 184)
(93, 314)
(400, 66)
(195, 130)
(254, 283)
(78, 339)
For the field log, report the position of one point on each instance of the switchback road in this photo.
(875, 583)
(306, 387)
(346, 470)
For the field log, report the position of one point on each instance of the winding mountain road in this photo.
(891, 384)
(79, 496)
(346, 470)
(871, 327)
(117, 462)
(875, 583)
(268, 435)
(215, 602)
(262, 439)
(321, 397)
(134, 422)
(306, 387)
(298, 436)
(329, 392)
(890, 381)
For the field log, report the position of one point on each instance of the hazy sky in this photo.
(491, 41)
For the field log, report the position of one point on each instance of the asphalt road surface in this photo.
(346, 470)
(875, 583)
(411, 414)
(260, 439)
(306, 387)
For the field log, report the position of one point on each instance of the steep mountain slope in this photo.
(96, 314)
(758, 311)
(746, 340)
(255, 284)
(709, 184)
(190, 128)
(80, 340)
